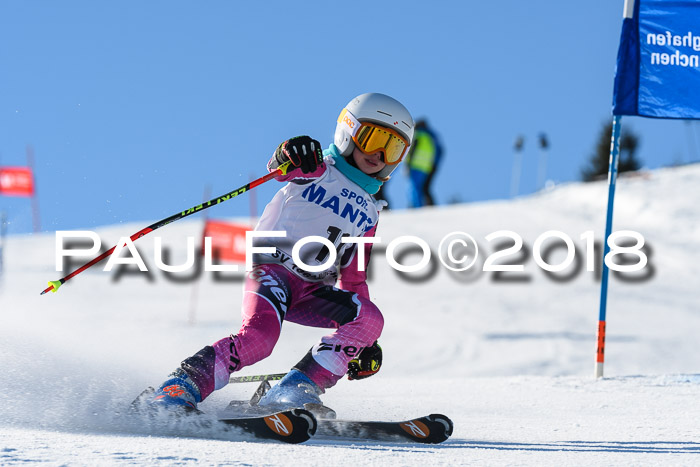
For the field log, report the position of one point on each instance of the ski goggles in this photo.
(370, 137)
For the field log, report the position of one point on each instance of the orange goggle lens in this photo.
(371, 138)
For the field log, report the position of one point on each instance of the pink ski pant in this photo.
(273, 295)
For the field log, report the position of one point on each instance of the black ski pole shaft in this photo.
(282, 170)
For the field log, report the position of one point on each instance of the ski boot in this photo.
(176, 393)
(295, 390)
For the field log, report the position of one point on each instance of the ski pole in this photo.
(256, 378)
(282, 170)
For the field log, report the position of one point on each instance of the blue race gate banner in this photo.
(658, 61)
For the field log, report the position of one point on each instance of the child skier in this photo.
(326, 196)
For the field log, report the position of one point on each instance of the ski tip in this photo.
(445, 421)
(432, 429)
(305, 425)
(290, 426)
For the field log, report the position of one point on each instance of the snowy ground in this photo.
(511, 362)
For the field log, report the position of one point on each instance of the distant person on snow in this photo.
(422, 162)
(328, 194)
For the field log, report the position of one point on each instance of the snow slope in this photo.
(508, 357)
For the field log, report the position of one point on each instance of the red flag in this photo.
(16, 181)
(227, 240)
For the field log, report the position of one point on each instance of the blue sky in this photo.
(134, 108)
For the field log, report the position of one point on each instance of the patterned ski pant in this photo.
(273, 295)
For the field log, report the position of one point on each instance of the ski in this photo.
(287, 425)
(290, 426)
(431, 429)
(301, 424)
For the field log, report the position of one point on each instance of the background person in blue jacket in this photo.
(422, 161)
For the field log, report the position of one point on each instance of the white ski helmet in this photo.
(392, 134)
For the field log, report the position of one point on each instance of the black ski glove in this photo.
(367, 363)
(304, 152)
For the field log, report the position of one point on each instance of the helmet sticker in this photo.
(349, 120)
